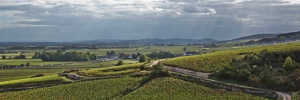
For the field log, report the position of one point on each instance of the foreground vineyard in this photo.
(100, 89)
(175, 89)
(214, 61)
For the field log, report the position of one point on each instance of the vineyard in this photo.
(114, 70)
(175, 89)
(100, 89)
(211, 62)
(296, 96)
(32, 80)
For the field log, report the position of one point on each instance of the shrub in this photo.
(120, 62)
(27, 64)
(288, 64)
(142, 67)
(3, 57)
(143, 58)
(158, 71)
(101, 65)
(22, 65)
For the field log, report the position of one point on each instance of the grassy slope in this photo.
(99, 89)
(296, 96)
(14, 74)
(114, 70)
(215, 61)
(32, 80)
(175, 89)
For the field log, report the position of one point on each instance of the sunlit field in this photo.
(19, 73)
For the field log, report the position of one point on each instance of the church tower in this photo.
(184, 51)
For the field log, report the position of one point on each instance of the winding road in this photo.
(285, 96)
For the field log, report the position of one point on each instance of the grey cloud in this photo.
(196, 9)
(104, 19)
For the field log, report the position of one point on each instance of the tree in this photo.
(59, 51)
(68, 56)
(120, 62)
(36, 55)
(101, 65)
(27, 64)
(161, 54)
(153, 54)
(158, 71)
(64, 49)
(107, 54)
(21, 56)
(143, 58)
(22, 65)
(288, 64)
(112, 53)
(139, 54)
(134, 56)
(94, 56)
(3, 57)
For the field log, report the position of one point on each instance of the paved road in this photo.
(285, 96)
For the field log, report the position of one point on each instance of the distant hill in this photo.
(167, 41)
(207, 40)
(97, 41)
(292, 36)
(252, 37)
(283, 37)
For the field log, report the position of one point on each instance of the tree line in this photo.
(21, 56)
(68, 56)
(160, 55)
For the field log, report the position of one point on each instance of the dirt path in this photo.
(154, 63)
(284, 95)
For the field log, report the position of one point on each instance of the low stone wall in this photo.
(69, 76)
(188, 72)
(230, 87)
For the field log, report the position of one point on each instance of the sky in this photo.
(73, 20)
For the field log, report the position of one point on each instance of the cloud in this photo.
(135, 19)
(201, 10)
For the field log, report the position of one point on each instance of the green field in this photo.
(296, 96)
(19, 73)
(31, 80)
(175, 89)
(174, 49)
(33, 62)
(100, 89)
